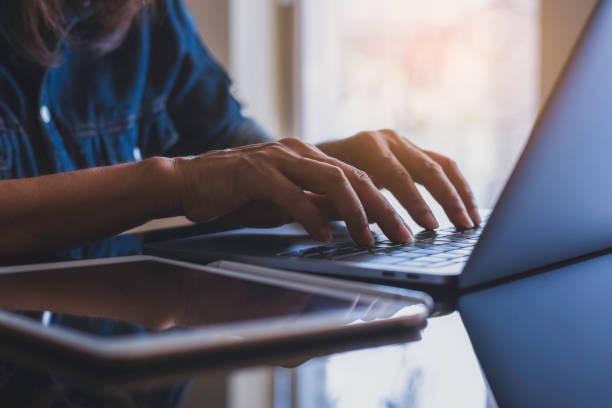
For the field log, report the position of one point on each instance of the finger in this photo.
(461, 185)
(427, 172)
(399, 182)
(278, 189)
(376, 206)
(323, 178)
(325, 206)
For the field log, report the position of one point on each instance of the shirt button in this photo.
(137, 154)
(45, 114)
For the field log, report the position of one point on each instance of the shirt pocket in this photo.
(130, 138)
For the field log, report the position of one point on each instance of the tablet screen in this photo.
(143, 297)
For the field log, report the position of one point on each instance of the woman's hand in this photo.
(394, 163)
(293, 176)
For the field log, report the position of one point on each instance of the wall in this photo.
(212, 18)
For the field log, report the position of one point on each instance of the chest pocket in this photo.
(124, 139)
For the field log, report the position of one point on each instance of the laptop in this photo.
(556, 205)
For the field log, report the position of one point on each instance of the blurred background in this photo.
(465, 78)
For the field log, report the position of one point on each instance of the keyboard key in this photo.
(460, 252)
(417, 251)
(457, 245)
(425, 240)
(433, 251)
(442, 256)
(368, 258)
(441, 240)
(462, 245)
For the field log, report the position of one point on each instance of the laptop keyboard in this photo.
(436, 249)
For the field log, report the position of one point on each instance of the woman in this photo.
(112, 113)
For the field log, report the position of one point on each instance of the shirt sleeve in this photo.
(200, 103)
(248, 132)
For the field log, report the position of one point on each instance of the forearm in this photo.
(62, 210)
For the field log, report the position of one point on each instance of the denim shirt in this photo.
(158, 93)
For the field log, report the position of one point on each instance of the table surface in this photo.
(438, 370)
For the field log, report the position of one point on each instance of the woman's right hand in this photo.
(286, 174)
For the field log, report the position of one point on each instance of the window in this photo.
(458, 77)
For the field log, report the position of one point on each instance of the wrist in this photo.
(165, 181)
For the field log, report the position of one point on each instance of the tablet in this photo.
(143, 310)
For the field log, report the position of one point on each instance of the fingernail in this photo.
(325, 235)
(475, 215)
(406, 232)
(368, 238)
(407, 235)
(466, 222)
(431, 221)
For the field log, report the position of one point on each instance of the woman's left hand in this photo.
(396, 164)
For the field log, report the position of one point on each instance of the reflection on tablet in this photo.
(160, 296)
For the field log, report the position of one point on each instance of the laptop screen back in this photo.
(544, 341)
(557, 203)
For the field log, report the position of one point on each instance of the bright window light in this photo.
(458, 77)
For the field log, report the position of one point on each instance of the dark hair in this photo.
(37, 28)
